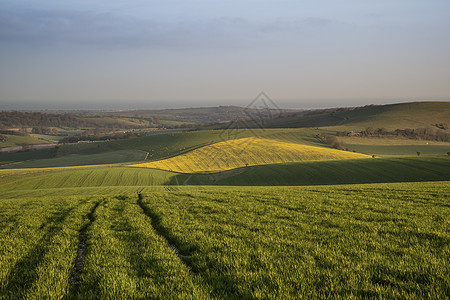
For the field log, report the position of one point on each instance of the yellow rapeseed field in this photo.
(243, 152)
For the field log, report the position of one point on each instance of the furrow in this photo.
(74, 279)
(161, 232)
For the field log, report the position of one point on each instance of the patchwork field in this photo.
(158, 146)
(370, 170)
(233, 213)
(354, 241)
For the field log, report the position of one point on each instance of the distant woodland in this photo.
(19, 119)
(429, 134)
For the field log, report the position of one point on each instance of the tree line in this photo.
(429, 134)
(19, 119)
(94, 137)
(15, 119)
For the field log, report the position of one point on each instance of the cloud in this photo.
(44, 27)
(38, 27)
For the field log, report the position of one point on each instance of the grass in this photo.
(127, 259)
(395, 146)
(161, 146)
(404, 169)
(147, 237)
(16, 157)
(246, 152)
(382, 241)
(391, 141)
(335, 172)
(16, 140)
(39, 238)
(401, 115)
(348, 241)
(112, 157)
(124, 122)
(48, 138)
(401, 150)
(393, 116)
(85, 177)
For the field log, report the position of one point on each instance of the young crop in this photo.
(126, 259)
(349, 241)
(38, 243)
(341, 242)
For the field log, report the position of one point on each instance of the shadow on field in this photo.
(22, 276)
(223, 286)
(142, 265)
(74, 279)
(163, 232)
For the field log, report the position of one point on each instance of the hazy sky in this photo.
(155, 54)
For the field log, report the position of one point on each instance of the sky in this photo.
(111, 54)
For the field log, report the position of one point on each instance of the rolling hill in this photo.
(391, 117)
(98, 179)
(355, 171)
(158, 146)
(246, 152)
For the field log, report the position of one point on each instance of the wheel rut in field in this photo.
(18, 281)
(74, 278)
(215, 283)
(161, 231)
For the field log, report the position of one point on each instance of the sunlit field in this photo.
(349, 241)
(247, 152)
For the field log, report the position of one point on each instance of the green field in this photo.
(391, 117)
(330, 172)
(400, 150)
(112, 157)
(354, 241)
(240, 213)
(38, 239)
(294, 174)
(15, 140)
(394, 146)
(158, 146)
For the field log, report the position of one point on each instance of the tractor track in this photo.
(161, 232)
(74, 278)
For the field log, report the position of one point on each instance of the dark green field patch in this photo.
(373, 170)
(112, 157)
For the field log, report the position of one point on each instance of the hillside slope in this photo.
(158, 146)
(246, 152)
(343, 172)
(94, 180)
(392, 116)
